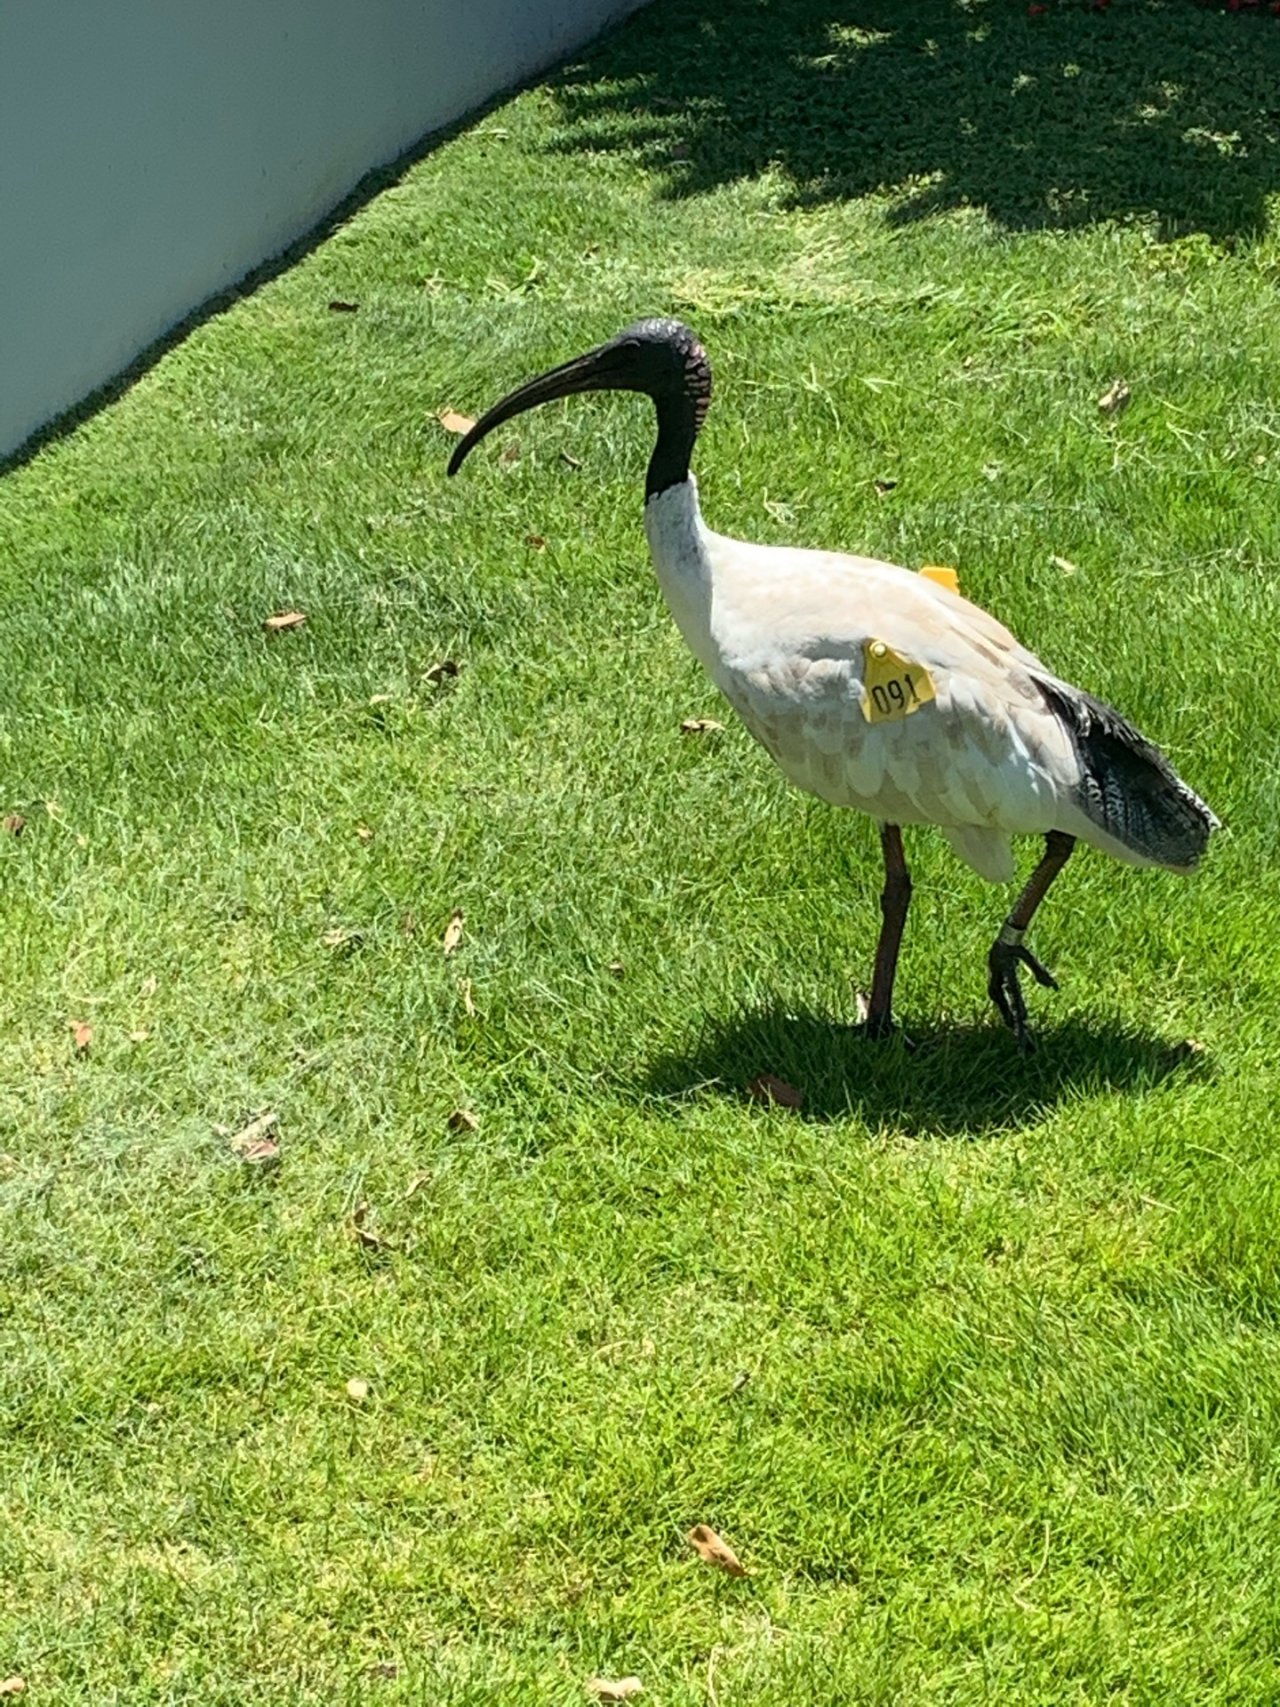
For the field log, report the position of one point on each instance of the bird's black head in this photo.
(661, 358)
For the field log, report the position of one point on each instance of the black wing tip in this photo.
(1129, 789)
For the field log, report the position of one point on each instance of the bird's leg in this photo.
(895, 898)
(1007, 950)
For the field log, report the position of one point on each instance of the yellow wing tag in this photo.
(892, 687)
(942, 573)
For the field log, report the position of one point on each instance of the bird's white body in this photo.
(784, 634)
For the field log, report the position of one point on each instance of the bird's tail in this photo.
(1128, 788)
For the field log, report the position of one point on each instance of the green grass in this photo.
(1012, 1427)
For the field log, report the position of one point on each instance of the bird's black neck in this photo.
(679, 418)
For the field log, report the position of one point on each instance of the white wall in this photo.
(153, 151)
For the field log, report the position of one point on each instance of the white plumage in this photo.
(979, 739)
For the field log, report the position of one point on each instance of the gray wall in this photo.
(154, 151)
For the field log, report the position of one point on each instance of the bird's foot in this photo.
(1006, 954)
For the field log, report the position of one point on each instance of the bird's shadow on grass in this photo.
(953, 1079)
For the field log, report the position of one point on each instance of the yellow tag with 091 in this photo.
(891, 685)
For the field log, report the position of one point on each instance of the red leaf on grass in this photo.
(767, 1087)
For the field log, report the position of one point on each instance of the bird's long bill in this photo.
(598, 370)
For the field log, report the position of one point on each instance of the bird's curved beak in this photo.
(601, 369)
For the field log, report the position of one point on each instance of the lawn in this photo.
(975, 1359)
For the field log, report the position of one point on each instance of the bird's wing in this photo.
(793, 633)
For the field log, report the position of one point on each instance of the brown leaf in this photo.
(416, 1184)
(614, 1688)
(261, 1153)
(468, 1003)
(284, 620)
(769, 1088)
(14, 824)
(357, 1390)
(342, 936)
(510, 453)
(14, 1685)
(408, 923)
(364, 1234)
(884, 487)
(462, 1120)
(81, 1035)
(383, 1669)
(700, 726)
(1115, 399)
(740, 1380)
(253, 1142)
(452, 422)
(364, 833)
(713, 1551)
(337, 306)
(452, 931)
(535, 542)
(438, 672)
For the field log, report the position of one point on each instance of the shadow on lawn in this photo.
(1153, 108)
(957, 1079)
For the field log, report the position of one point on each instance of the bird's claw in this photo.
(1005, 990)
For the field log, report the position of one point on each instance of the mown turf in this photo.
(1011, 1422)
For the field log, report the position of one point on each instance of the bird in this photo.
(876, 688)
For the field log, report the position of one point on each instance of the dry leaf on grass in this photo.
(510, 453)
(81, 1035)
(462, 1120)
(357, 1390)
(440, 672)
(535, 542)
(1064, 563)
(253, 1143)
(12, 1685)
(700, 726)
(14, 824)
(342, 936)
(468, 1003)
(452, 931)
(884, 487)
(415, 1185)
(571, 460)
(614, 1688)
(861, 1006)
(363, 833)
(452, 422)
(713, 1551)
(364, 1234)
(284, 620)
(338, 306)
(771, 1089)
(1115, 399)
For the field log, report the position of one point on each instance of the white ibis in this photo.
(876, 688)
